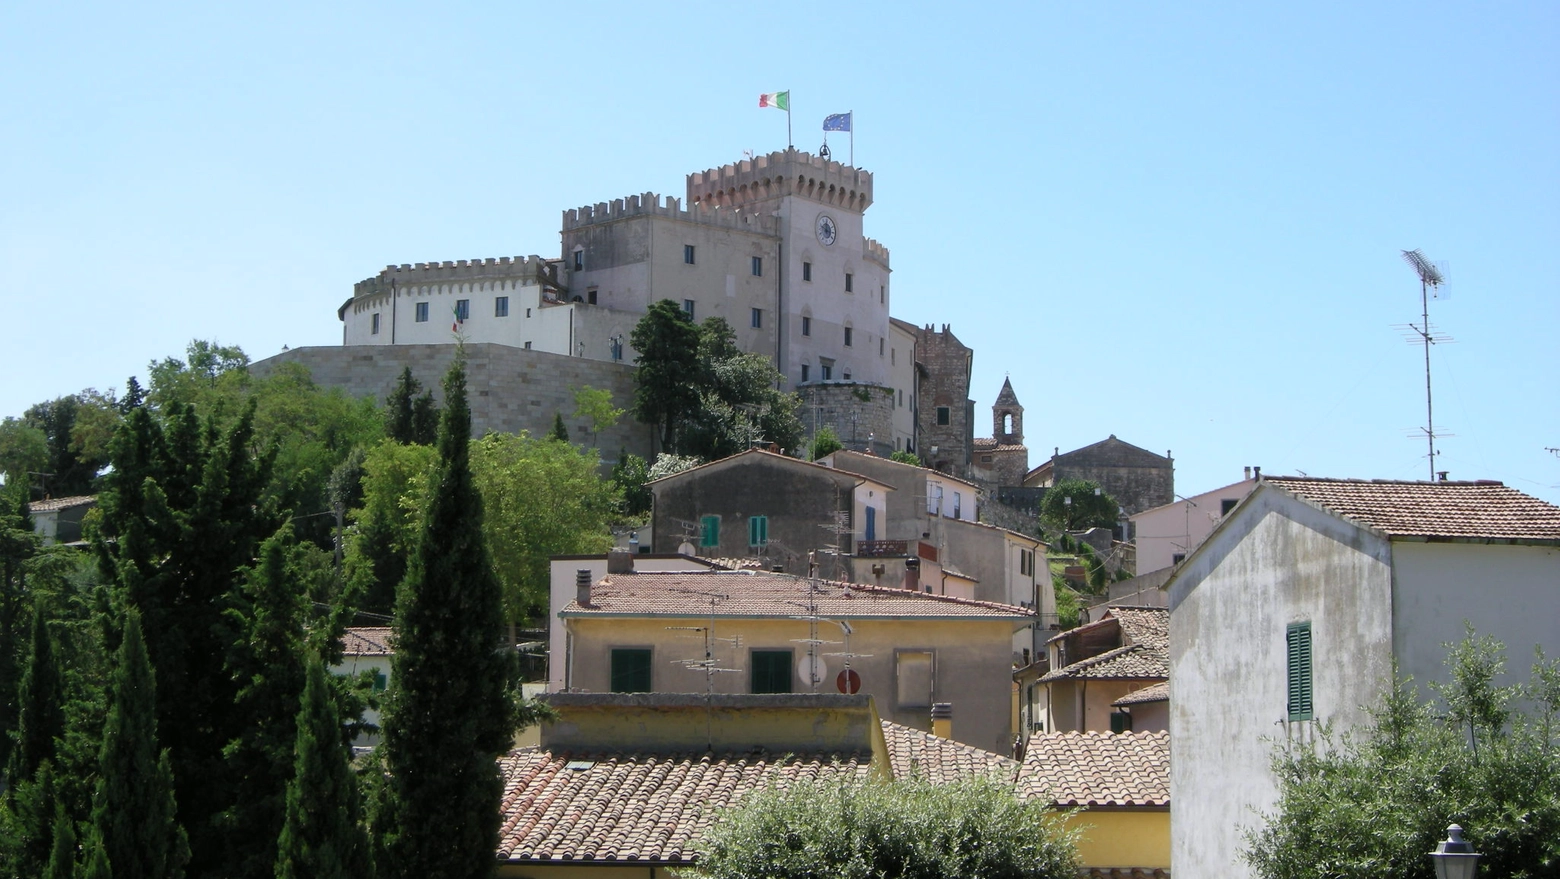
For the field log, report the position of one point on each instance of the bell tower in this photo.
(1007, 417)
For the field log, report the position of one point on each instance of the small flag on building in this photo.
(459, 319)
(837, 122)
(777, 100)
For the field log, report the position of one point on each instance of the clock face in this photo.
(827, 231)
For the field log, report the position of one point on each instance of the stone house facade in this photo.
(1137, 478)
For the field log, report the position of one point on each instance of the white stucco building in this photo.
(1168, 533)
(1293, 610)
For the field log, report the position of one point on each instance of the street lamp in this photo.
(1454, 857)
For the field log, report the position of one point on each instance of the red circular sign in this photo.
(848, 681)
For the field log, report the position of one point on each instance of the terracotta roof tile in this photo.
(1483, 510)
(762, 594)
(563, 806)
(367, 641)
(1098, 769)
(941, 760)
(1159, 692)
(1144, 654)
(61, 503)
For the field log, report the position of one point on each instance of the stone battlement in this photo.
(875, 252)
(782, 173)
(532, 269)
(649, 204)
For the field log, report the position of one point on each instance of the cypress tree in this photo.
(267, 664)
(42, 714)
(18, 543)
(62, 860)
(94, 863)
(133, 815)
(321, 838)
(425, 420)
(559, 431)
(398, 408)
(451, 711)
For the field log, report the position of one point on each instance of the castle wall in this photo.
(945, 385)
(509, 389)
(859, 423)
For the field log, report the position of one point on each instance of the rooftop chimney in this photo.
(913, 574)
(620, 561)
(582, 586)
(1256, 473)
(942, 720)
(1248, 472)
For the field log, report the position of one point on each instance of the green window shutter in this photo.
(631, 671)
(771, 671)
(709, 531)
(758, 530)
(1298, 639)
(1120, 722)
(380, 681)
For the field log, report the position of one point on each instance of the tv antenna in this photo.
(1432, 277)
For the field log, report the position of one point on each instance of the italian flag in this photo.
(777, 100)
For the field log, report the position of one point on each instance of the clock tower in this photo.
(832, 292)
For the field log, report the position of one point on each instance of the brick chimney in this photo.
(620, 561)
(942, 720)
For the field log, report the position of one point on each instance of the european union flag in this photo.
(837, 122)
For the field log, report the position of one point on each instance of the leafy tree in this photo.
(539, 499)
(1068, 606)
(321, 838)
(452, 710)
(595, 406)
(906, 458)
(906, 827)
(825, 442)
(559, 431)
(1089, 507)
(630, 474)
(24, 450)
(134, 813)
(739, 399)
(1373, 803)
(665, 387)
(666, 465)
(70, 472)
(395, 487)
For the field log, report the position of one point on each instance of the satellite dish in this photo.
(685, 548)
(811, 670)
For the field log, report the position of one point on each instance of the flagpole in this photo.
(788, 142)
(853, 138)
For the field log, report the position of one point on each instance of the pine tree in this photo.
(321, 838)
(42, 718)
(62, 860)
(268, 666)
(451, 711)
(134, 814)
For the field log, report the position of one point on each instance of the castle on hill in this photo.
(775, 245)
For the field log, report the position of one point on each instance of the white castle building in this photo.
(774, 244)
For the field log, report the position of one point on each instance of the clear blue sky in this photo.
(1176, 222)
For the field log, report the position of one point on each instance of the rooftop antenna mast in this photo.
(1431, 278)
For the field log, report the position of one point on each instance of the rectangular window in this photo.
(758, 267)
(590, 295)
(1120, 722)
(880, 346)
(688, 254)
(958, 505)
(827, 371)
(805, 370)
(758, 318)
(758, 531)
(771, 671)
(709, 531)
(882, 294)
(381, 681)
(806, 325)
(630, 670)
(807, 271)
(374, 324)
(688, 308)
(914, 672)
(942, 414)
(579, 260)
(1226, 505)
(850, 283)
(849, 336)
(501, 306)
(934, 496)
(528, 312)
(1298, 638)
(463, 309)
(422, 313)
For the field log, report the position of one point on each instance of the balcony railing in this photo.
(876, 549)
